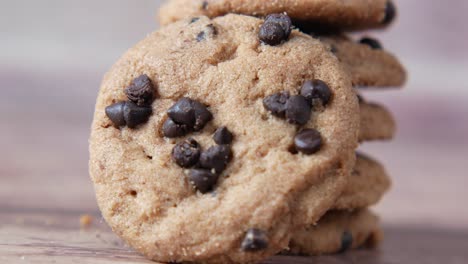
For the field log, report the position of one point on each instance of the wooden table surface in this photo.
(50, 71)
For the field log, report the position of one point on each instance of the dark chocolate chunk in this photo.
(141, 90)
(172, 130)
(115, 113)
(346, 241)
(276, 103)
(204, 5)
(186, 153)
(209, 32)
(316, 91)
(371, 42)
(201, 36)
(390, 13)
(333, 49)
(281, 19)
(222, 136)
(194, 115)
(298, 110)
(276, 29)
(182, 112)
(216, 157)
(203, 179)
(254, 240)
(202, 115)
(193, 20)
(308, 141)
(136, 115)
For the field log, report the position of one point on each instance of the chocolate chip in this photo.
(210, 31)
(201, 36)
(308, 141)
(202, 115)
(194, 115)
(193, 20)
(333, 49)
(182, 112)
(298, 110)
(115, 113)
(204, 5)
(276, 103)
(390, 13)
(371, 42)
(204, 180)
(223, 136)
(186, 153)
(136, 115)
(141, 90)
(254, 240)
(346, 241)
(172, 130)
(316, 91)
(275, 29)
(216, 157)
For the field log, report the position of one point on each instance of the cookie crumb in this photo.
(86, 221)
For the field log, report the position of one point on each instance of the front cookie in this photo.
(203, 137)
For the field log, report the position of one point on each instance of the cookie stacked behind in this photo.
(367, 64)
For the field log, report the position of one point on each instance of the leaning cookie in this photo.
(337, 232)
(368, 63)
(377, 123)
(330, 14)
(205, 133)
(366, 186)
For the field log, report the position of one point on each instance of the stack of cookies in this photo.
(230, 134)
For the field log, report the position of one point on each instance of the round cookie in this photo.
(331, 14)
(366, 186)
(367, 62)
(219, 66)
(377, 123)
(337, 232)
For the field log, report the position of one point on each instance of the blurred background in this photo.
(53, 54)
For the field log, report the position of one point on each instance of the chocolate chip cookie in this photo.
(342, 229)
(377, 123)
(328, 14)
(366, 186)
(337, 232)
(206, 132)
(368, 63)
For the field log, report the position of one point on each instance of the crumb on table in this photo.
(86, 220)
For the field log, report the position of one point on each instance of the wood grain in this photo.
(34, 236)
